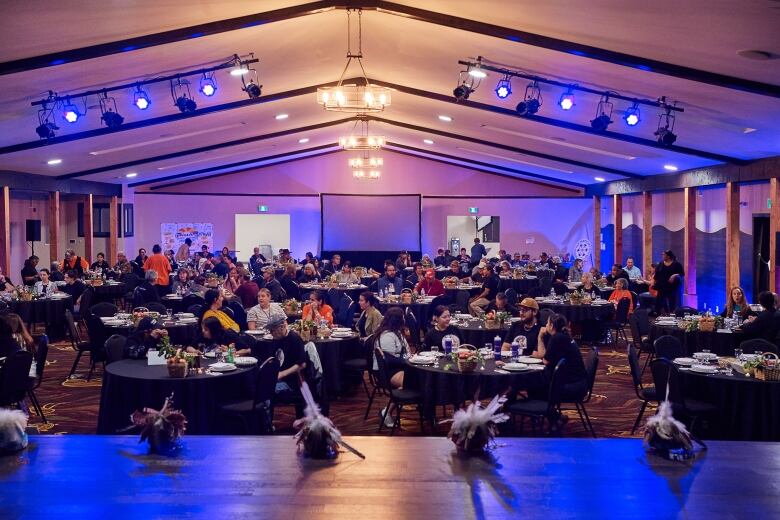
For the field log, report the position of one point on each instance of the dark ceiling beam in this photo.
(283, 159)
(494, 144)
(311, 150)
(455, 22)
(483, 167)
(191, 151)
(447, 98)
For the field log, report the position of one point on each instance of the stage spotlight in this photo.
(665, 136)
(504, 88)
(208, 85)
(603, 114)
(186, 104)
(109, 114)
(253, 90)
(141, 99)
(462, 92)
(181, 95)
(665, 133)
(70, 112)
(533, 100)
(46, 130)
(631, 117)
(600, 123)
(566, 102)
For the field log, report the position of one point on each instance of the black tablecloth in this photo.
(575, 313)
(180, 333)
(333, 352)
(475, 333)
(441, 386)
(521, 286)
(50, 311)
(722, 344)
(748, 409)
(353, 293)
(108, 292)
(131, 385)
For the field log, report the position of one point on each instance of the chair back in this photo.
(556, 386)
(633, 364)
(115, 348)
(408, 284)
(682, 311)
(383, 374)
(265, 384)
(757, 346)
(139, 297)
(412, 325)
(643, 320)
(227, 310)
(75, 337)
(636, 336)
(98, 334)
(157, 307)
(665, 373)
(462, 301)
(668, 347)
(130, 280)
(15, 377)
(196, 310)
(591, 367)
(333, 297)
(86, 300)
(103, 309)
(621, 313)
(511, 296)
(239, 314)
(440, 300)
(41, 353)
(344, 311)
(192, 299)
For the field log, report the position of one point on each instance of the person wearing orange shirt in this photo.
(621, 292)
(75, 263)
(157, 262)
(317, 309)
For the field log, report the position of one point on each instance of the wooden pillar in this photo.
(689, 253)
(113, 233)
(5, 229)
(774, 228)
(617, 211)
(647, 230)
(597, 232)
(88, 227)
(54, 225)
(732, 235)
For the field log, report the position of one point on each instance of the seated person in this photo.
(272, 284)
(455, 272)
(500, 304)
(463, 257)
(766, 324)
(426, 261)
(528, 327)
(182, 282)
(8, 343)
(738, 304)
(617, 272)
(147, 287)
(287, 280)
(489, 290)
(595, 273)
(441, 328)
(146, 336)
(308, 274)
(440, 260)
(317, 309)
(555, 344)
(291, 353)
(56, 273)
(505, 269)
(390, 279)
(247, 291)
(45, 287)
(391, 340)
(621, 291)
(370, 317)
(632, 270)
(100, 264)
(264, 312)
(19, 331)
(588, 286)
(213, 336)
(575, 271)
(75, 287)
(345, 275)
(417, 274)
(214, 301)
(429, 285)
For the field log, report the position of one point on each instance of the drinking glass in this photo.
(738, 354)
(169, 312)
(435, 350)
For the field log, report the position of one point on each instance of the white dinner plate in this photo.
(421, 360)
(704, 355)
(245, 361)
(184, 315)
(684, 361)
(222, 367)
(256, 332)
(188, 320)
(211, 354)
(515, 367)
(704, 369)
(529, 360)
(341, 329)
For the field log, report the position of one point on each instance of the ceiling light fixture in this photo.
(504, 88)
(279, 117)
(182, 97)
(566, 101)
(141, 99)
(131, 175)
(46, 125)
(360, 98)
(54, 162)
(670, 168)
(665, 132)
(598, 179)
(532, 102)
(208, 85)
(469, 80)
(603, 114)
(303, 140)
(109, 114)
(70, 112)
(446, 119)
(428, 141)
(632, 116)
(359, 163)
(363, 140)
(363, 175)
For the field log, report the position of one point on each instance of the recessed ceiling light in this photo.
(427, 141)
(52, 162)
(758, 55)
(131, 175)
(279, 117)
(670, 167)
(446, 119)
(598, 179)
(303, 140)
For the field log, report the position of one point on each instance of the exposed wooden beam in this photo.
(597, 232)
(88, 227)
(113, 230)
(54, 225)
(732, 235)
(617, 218)
(5, 229)
(647, 230)
(689, 244)
(774, 229)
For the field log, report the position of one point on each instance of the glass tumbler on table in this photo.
(738, 354)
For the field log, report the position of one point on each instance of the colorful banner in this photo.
(173, 234)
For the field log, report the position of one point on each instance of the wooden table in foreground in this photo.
(423, 477)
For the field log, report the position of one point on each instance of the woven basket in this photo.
(177, 370)
(769, 374)
(467, 365)
(707, 324)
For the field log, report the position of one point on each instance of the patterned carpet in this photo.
(71, 406)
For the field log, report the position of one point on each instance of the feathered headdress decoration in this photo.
(667, 435)
(161, 428)
(317, 435)
(475, 428)
(12, 435)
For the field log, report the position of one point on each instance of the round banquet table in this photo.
(471, 289)
(475, 333)
(333, 352)
(748, 409)
(180, 333)
(421, 311)
(108, 292)
(720, 343)
(353, 291)
(173, 302)
(520, 285)
(131, 385)
(50, 311)
(447, 386)
(577, 313)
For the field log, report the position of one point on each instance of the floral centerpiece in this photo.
(765, 367)
(162, 429)
(23, 292)
(575, 297)
(490, 320)
(306, 329)
(213, 281)
(467, 358)
(93, 278)
(178, 360)
(292, 306)
(503, 317)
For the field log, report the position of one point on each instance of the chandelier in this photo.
(366, 175)
(359, 98)
(358, 163)
(362, 141)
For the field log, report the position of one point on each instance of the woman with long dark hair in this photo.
(370, 318)
(441, 329)
(555, 344)
(668, 278)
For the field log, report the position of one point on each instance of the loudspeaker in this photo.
(33, 231)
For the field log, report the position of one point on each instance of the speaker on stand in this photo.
(33, 233)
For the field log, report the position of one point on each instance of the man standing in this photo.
(390, 280)
(183, 254)
(633, 271)
(158, 263)
(478, 251)
(528, 327)
(74, 262)
(489, 290)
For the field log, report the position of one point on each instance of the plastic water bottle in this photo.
(515, 349)
(717, 310)
(391, 289)
(422, 292)
(552, 292)
(230, 353)
(497, 347)
(447, 346)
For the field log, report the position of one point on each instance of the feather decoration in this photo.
(667, 435)
(317, 435)
(161, 428)
(12, 430)
(475, 428)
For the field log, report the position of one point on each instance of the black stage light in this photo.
(112, 119)
(462, 92)
(186, 104)
(600, 123)
(665, 136)
(46, 130)
(253, 90)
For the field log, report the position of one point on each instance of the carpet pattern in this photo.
(71, 405)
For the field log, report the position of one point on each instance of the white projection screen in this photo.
(371, 222)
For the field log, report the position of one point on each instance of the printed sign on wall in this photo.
(173, 234)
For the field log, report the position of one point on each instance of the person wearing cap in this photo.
(145, 336)
(490, 282)
(455, 272)
(290, 352)
(528, 327)
(214, 301)
(430, 284)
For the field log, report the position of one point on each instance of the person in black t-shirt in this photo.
(291, 353)
(74, 287)
(556, 344)
(441, 328)
(667, 278)
(616, 274)
(29, 271)
(489, 290)
(500, 304)
(528, 327)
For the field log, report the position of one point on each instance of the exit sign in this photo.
(262, 208)
(473, 210)
(768, 203)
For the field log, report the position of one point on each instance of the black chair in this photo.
(78, 344)
(196, 310)
(115, 348)
(333, 297)
(667, 376)
(358, 366)
(85, 302)
(621, 320)
(668, 347)
(441, 300)
(413, 326)
(157, 307)
(344, 311)
(259, 406)
(757, 346)
(103, 310)
(682, 311)
(644, 393)
(398, 397)
(15, 379)
(408, 284)
(591, 366)
(462, 301)
(192, 299)
(41, 353)
(239, 314)
(640, 342)
(537, 409)
(511, 296)
(634, 298)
